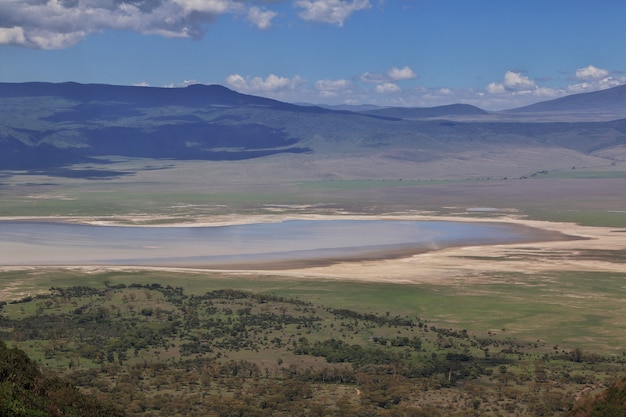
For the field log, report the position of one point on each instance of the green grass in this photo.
(584, 217)
(151, 341)
(595, 200)
(578, 174)
(583, 309)
(371, 184)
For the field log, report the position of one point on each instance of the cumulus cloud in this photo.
(333, 88)
(591, 73)
(496, 88)
(261, 18)
(513, 81)
(387, 88)
(373, 78)
(257, 85)
(595, 85)
(516, 89)
(13, 35)
(185, 83)
(56, 24)
(397, 74)
(393, 74)
(333, 12)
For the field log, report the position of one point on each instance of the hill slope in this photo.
(611, 402)
(610, 103)
(428, 112)
(25, 391)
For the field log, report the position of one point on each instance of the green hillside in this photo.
(27, 392)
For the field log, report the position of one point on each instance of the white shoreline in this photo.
(449, 264)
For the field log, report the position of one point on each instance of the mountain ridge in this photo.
(613, 99)
(45, 127)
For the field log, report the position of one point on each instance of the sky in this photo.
(494, 54)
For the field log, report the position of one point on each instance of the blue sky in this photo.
(491, 53)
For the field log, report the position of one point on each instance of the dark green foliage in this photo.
(25, 391)
(158, 351)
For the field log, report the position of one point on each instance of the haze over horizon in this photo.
(424, 53)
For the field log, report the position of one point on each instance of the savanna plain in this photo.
(525, 329)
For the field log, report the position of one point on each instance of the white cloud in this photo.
(141, 84)
(185, 83)
(398, 74)
(591, 73)
(387, 88)
(207, 6)
(518, 90)
(257, 85)
(547, 93)
(512, 82)
(333, 88)
(595, 85)
(392, 74)
(496, 88)
(14, 35)
(515, 81)
(57, 24)
(334, 12)
(373, 78)
(261, 18)
(514, 90)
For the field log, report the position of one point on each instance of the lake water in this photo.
(47, 243)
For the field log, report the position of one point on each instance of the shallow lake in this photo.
(47, 243)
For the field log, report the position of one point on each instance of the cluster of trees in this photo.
(157, 351)
(26, 392)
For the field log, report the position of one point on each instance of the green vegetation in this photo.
(26, 392)
(181, 195)
(371, 184)
(585, 217)
(580, 308)
(577, 174)
(161, 351)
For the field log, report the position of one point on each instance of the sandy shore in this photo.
(447, 265)
(483, 263)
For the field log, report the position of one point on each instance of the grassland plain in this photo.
(185, 190)
(574, 309)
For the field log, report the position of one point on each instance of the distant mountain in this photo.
(357, 108)
(191, 96)
(428, 112)
(611, 101)
(440, 112)
(46, 125)
(49, 128)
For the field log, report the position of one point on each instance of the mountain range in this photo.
(46, 126)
